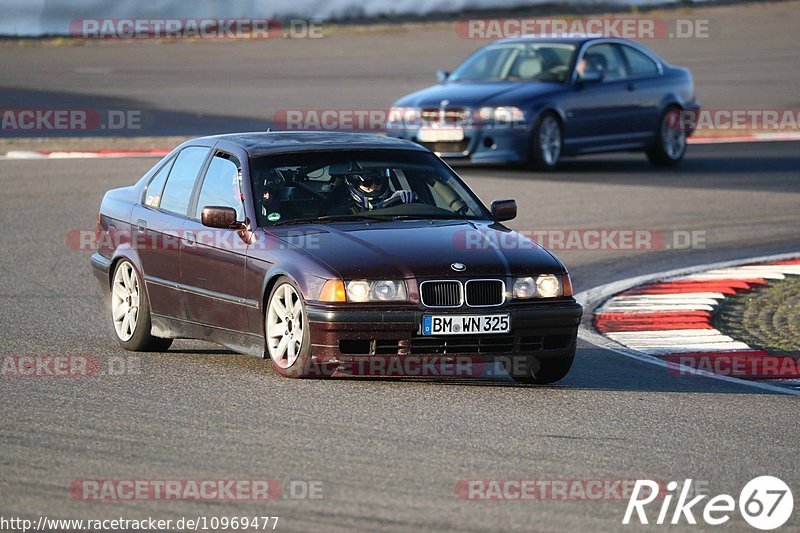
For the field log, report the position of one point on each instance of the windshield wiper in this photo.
(332, 218)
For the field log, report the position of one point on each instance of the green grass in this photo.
(766, 318)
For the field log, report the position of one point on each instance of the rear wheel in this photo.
(540, 371)
(670, 145)
(546, 143)
(130, 312)
(287, 331)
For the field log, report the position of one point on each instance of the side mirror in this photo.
(442, 75)
(591, 76)
(219, 217)
(503, 210)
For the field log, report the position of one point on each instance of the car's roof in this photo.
(263, 142)
(576, 40)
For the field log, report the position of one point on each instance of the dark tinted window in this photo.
(606, 58)
(221, 186)
(156, 186)
(292, 188)
(639, 63)
(181, 180)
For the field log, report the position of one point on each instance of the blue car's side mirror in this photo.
(442, 75)
(591, 76)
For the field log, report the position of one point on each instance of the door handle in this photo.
(190, 238)
(630, 87)
(141, 224)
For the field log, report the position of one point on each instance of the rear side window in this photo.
(156, 186)
(222, 186)
(178, 191)
(639, 63)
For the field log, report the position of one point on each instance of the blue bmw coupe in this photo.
(532, 101)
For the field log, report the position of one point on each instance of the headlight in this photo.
(548, 286)
(501, 115)
(403, 117)
(376, 291)
(542, 286)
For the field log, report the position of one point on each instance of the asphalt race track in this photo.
(388, 452)
(749, 61)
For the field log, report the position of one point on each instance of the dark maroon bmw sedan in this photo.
(319, 250)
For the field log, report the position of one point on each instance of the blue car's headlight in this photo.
(504, 115)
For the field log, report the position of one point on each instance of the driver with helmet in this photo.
(371, 191)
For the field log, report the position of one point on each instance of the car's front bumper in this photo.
(480, 145)
(346, 336)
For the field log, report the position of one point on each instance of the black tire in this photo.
(303, 365)
(538, 158)
(141, 339)
(542, 371)
(669, 147)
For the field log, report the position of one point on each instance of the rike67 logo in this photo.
(765, 503)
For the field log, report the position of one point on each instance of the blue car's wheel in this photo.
(670, 145)
(546, 142)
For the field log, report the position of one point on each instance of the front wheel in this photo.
(540, 371)
(287, 331)
(670, 144)
(130, 311)
(546, 143)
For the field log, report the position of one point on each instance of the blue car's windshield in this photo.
(544, 62)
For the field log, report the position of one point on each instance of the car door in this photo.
(157, 224)
(597, 112)
(213, 260)
(647, 88)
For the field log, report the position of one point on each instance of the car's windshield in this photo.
(347, 185)
(543, 62)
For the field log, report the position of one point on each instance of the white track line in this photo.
(592, 297)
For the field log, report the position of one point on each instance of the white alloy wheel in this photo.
(285, 326)
(125, 295)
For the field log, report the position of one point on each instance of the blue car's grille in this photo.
(450, 116)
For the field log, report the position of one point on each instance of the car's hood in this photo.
(420, 249)
(472, 94)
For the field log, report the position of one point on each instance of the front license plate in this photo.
(465, 324)
(434, 135)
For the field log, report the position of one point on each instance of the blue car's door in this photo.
(647, 83)
(599, 114)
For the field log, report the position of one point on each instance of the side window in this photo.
(156, 186)
(222, 186)
(639, 63)
(178, 191)
(607, 59)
